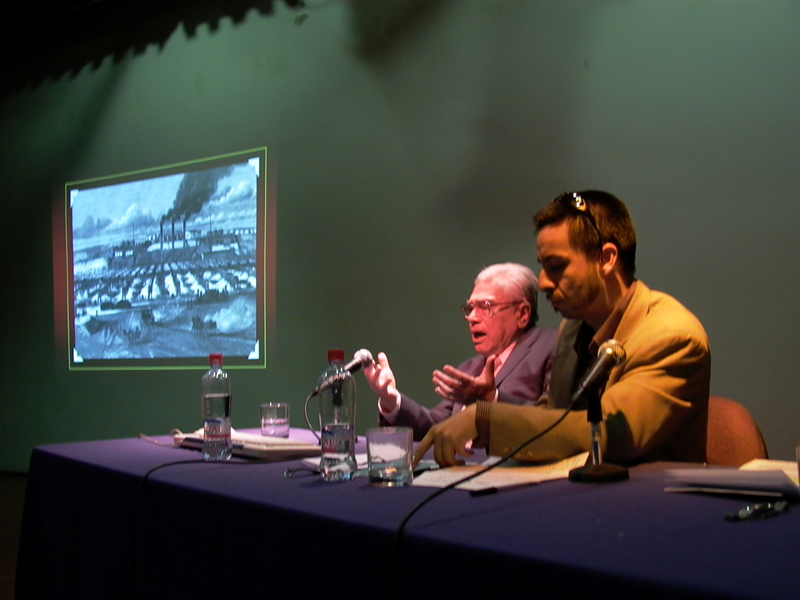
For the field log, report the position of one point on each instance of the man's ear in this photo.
(524, 311)
(609, 256)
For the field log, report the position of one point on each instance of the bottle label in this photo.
(216, 430)
(337, 439)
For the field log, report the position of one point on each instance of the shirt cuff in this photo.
(483, 414)
(390, 416)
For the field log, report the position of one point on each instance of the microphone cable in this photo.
(401, 527)
(138, 493)
(308, 421)
(611, 348)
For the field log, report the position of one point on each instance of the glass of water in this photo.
(389, 453)
(275, 419)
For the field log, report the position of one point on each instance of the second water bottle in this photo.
(337, 411)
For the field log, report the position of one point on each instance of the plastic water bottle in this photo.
(337, 411)
(216, 401)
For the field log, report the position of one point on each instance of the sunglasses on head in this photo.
(574, 201)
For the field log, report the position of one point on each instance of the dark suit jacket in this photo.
(521, 380)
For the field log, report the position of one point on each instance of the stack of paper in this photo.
(253, 445)
(775, 478)
(500, 477)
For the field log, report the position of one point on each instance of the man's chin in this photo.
(480, 349)
(565, 313)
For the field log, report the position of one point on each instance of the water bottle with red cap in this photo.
(216, 401)
(337, 411)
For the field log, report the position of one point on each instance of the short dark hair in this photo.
(608, 221)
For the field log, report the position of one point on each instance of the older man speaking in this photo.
(512, 364)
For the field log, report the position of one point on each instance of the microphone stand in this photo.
(598, 471)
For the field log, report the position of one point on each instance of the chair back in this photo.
(733, 436)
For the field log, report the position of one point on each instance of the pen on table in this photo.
(493, 490)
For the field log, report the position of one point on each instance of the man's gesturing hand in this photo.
(455, 385)
(382, 382)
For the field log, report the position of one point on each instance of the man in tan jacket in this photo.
(654, 404)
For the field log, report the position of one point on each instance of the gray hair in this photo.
(514, 279)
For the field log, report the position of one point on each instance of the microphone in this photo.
(362, 358)
(610, 354)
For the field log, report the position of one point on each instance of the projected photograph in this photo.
(167, 265)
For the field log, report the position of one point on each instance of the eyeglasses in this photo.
(485, 307)
(575, 202)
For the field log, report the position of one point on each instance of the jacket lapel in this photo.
(525, 341)
(565, 362)
(636, 311)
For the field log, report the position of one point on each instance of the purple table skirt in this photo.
(93, 527)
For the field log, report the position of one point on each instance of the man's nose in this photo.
(544, 282)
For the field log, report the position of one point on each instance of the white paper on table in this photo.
(787, 466)
(756, 478)
(500, 477)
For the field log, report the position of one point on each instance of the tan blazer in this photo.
(655, 405)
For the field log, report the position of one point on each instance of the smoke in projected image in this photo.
(167, 265)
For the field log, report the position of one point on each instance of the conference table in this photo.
(128, 518)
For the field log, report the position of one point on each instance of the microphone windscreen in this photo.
(362, 358)
(613, 349)
(366, 357)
